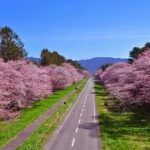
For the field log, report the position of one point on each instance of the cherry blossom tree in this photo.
(130, 83)
(22, 82)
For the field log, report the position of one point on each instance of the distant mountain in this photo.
(36, 60)
(93, 64)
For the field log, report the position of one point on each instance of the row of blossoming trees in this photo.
(129, 82)
(23, 82)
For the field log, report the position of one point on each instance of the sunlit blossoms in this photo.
(129, 82)
(22, 82)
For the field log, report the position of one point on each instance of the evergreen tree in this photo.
(75, 64)
(45, 57)
(11, 47)
(48, 58)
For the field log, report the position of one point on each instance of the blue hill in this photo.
(93, 64)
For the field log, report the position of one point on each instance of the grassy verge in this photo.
(121, 130)
(10, 129)
(37, 140)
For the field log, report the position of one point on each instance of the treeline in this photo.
(12, 48)
(49, 58)
(137, 51)
(129, 82)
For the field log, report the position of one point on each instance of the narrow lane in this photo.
(79, 130)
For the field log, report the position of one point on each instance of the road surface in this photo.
(80, 129)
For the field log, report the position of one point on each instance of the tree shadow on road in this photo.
(92, 128)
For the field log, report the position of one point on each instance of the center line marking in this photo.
(73, 142)
(79, 121)
(77, 129)
(82, 109)
(81, 115)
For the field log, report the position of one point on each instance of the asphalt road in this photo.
(80, 129)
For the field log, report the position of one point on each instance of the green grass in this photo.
(42, 135)
(121, 130)
(10, 129)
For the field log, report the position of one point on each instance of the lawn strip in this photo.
(121, 130)
(10, 129)
(41, 136)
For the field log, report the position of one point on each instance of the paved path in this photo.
(80, 129)
(33, 126)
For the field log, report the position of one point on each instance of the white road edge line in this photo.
(94, 103)
(59, 129)
(73, 140)
(94, 114)
(94, 111)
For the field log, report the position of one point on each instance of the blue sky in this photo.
(79, 29)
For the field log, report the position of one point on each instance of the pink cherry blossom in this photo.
(130, 83)
(22, 82)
